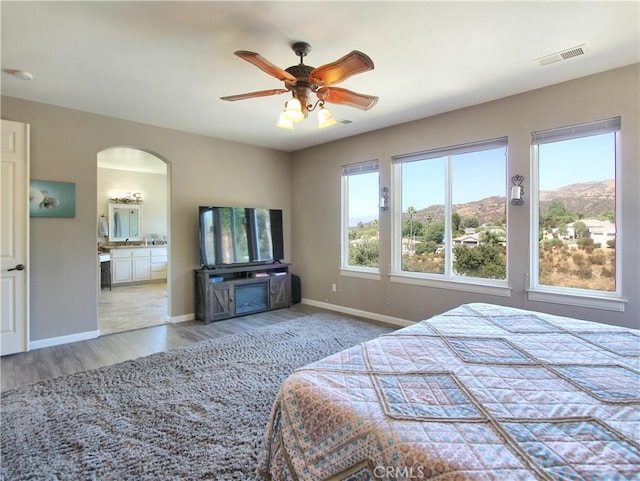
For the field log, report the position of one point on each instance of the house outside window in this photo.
(360, 216)
(450, 214)
(575, 217)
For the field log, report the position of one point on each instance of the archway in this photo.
(133, 291)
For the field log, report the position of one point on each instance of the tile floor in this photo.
(135, 306)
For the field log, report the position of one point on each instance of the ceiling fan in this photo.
(303, 80)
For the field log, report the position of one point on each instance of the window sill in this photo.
(361, 274)
(501, 290)
(591, 301)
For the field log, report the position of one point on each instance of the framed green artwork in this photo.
(52, 199)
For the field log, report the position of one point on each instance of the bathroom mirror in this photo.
(125, 222)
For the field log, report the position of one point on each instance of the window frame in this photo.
(356, 168)
(498, 287)
(590, 298)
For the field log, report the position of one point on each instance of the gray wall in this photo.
(64, 147)
(316, 196)
(306, 184)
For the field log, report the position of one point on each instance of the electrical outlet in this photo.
(334, 288)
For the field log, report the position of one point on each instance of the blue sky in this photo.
(475, 176)
(580, 160)
(483, 174)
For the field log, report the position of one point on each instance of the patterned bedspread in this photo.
(481, 392)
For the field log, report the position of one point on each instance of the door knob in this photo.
(19, 267)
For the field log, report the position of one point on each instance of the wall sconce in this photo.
(517, 191)
(384, 199)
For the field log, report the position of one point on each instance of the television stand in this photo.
(226, 292)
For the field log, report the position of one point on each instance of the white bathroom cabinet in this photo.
(138, 264)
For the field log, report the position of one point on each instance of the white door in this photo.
(14, 238)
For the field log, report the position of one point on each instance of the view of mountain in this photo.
(591, 199)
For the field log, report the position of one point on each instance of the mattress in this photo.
(481, 392)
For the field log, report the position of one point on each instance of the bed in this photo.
(481, 392)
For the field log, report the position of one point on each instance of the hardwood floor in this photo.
(29, 367)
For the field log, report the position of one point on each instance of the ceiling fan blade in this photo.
(250, 95)
(266, 66)
(332, 73)
(337, 95)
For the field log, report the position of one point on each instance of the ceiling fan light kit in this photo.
(303, 80)
(284, 123)
(293, 110)
(325, 118)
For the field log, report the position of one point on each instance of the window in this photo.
(574, 209)
(451, 220)
(360, 230)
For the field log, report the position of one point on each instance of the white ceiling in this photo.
(168, 63)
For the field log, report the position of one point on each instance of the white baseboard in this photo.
(182, 318)
(56, 341)
(396, 321)
(84, 336)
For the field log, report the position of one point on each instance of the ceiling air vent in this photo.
(560, 56)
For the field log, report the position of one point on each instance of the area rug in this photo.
(196, 413)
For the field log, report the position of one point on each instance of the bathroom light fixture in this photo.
(125, 197)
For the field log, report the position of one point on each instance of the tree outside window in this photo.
(360, 194)
(453, 214)
(575, 203)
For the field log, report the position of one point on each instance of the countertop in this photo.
(108, 248)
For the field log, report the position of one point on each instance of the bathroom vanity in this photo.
(138, 264)
(130, 261)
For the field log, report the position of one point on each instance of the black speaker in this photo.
(277, 234)
(296, 292)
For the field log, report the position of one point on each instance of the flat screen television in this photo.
(239, 235)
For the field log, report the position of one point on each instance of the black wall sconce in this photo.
(384, 198)
(517, 191)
